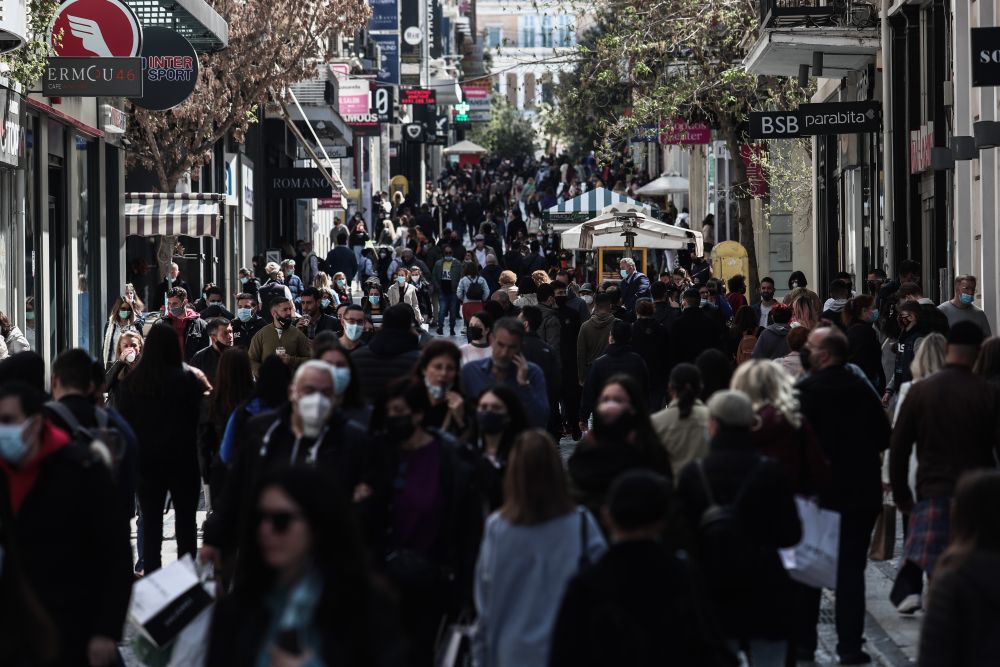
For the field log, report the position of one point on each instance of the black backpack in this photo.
(475, 292)
(104, 441)
(727, 552)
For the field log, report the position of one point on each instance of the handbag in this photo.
(884, 538)
(813, 561)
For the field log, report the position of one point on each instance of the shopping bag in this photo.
(884, 538)
(164, 602)
(191, 645)
(813, 561)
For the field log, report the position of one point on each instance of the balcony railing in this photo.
(802, 13)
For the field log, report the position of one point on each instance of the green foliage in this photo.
(27, 64)
(508, 135)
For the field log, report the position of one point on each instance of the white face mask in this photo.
(587, 299)
(314, 410)
(130, 356)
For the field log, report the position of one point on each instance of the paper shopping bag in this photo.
(167, 600)
(813, 561)
(884, 538)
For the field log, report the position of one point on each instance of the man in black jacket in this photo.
(220, 333)
(247, 322)
(618, 358)
(185, 322)
(172, 279)
(651, 342)
(664, 312)
(694, 331)
(569, 333)
(392, 352)
(538, 351)
(314, 320)
(853, 430)
(310, 429)
(71, 538)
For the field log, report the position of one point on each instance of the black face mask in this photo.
(804, 358)
(766, 296)
(285, 322)
(561, 300)
(399, 428)
(473, 333)
(618, 426)
(491, 422)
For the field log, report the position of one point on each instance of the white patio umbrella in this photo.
(464, 148)
(606, 231)
(664, 185)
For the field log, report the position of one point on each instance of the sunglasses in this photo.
(280, 521)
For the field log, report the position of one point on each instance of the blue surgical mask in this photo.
(704, 302)
(341, 282)
(13, 449)
(341, 379)
(243, 280)
(401, 280)
(966, 298)
(874, 316)
(373, 300)
(624, 273)
(244, 314)
(325, 303)
(354, 331)
(123, 314)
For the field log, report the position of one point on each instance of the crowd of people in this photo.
(600, 474)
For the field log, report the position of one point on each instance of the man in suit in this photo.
(634, 285)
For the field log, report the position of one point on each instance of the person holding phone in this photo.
(303, 594)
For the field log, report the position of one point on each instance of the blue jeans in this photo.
(447, 305)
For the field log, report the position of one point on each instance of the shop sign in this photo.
(96, 29)
(921, 148)
(363, 124)
(247, 191)
(115, 121)
(385, 15)
(419, 96)
(382, 99)
(414, 133)
(353, 97)
(775, 125)
(231, 168)
(680, 133)
(336, 201)
(753, 156)
(298, 183)
(477, 96)
(338, 151)
(170, 69)
(93, 77)
(816, 119)
(985, 57)
(388, 69)
(11, 127)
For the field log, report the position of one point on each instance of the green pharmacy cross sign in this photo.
(461, 112)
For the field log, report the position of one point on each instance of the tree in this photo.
(271, 45)
(508, 135)
(26, 64)
(679, 59)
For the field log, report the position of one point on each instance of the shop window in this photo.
(82, 279)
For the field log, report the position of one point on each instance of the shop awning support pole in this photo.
(332, 177)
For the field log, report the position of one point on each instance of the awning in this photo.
(173, 213)
(607, 231)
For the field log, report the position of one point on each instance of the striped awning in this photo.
(173, 213)
(593, 201)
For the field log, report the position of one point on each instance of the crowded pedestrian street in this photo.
(485, 333)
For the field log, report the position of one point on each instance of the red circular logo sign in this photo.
(96, 28)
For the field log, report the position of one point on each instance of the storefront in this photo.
(14, 298)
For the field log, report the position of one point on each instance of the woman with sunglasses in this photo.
(303, 594)
(424, 516)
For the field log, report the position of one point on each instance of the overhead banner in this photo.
(170, 69)
(388, 70)
(12, 129)
(985, 57)
(385, 16)
(815, 119)
(298, 183)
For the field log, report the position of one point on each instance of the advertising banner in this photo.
(353, 96)
(388, 71)
(385, 15)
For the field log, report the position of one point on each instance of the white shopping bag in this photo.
(164, 602)
(813, 561)
(191, 646)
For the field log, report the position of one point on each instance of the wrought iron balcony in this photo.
(802, 13)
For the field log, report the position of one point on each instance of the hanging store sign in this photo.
(680, 133)
(816, 119)
(385, 15)
(170, 69)
(754, 157)
(382, 103)
(92, 77)
(477, 95)
(114, 120)
(298, 183)
(985, 57)
(12, 114)
(421, 96)
(388, 69)
(353, 97)
(414, 133)
(96, 29)
(921, 148)
(336, 201)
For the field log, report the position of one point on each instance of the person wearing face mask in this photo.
(310, 429)
(215, 304)
(446, 275)
(247, 322)
(425, 515)
(220, 333)
(767, 301)
(499, 419)
(352, 320)
(392, 352)
(587, 296)
(478, 332)
(373, 303)
(618, 359)
(248, 282)
(274, 288)
(772, 343)
(342, 259)
(425, 293)
(859, 316)
(346, 380)
(403, 291)
(129, 350)
(280, 337)
(962, 306)
(438, 369)
(123, 318)
(853, 430)
(292, 281)
(622, 439)
(186, 324)
(910, 332)
(44, 481)
(314, 320)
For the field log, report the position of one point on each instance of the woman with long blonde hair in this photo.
(782, 432)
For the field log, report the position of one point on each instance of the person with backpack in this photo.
(472, 290)
(743, 334)
(739, 510)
